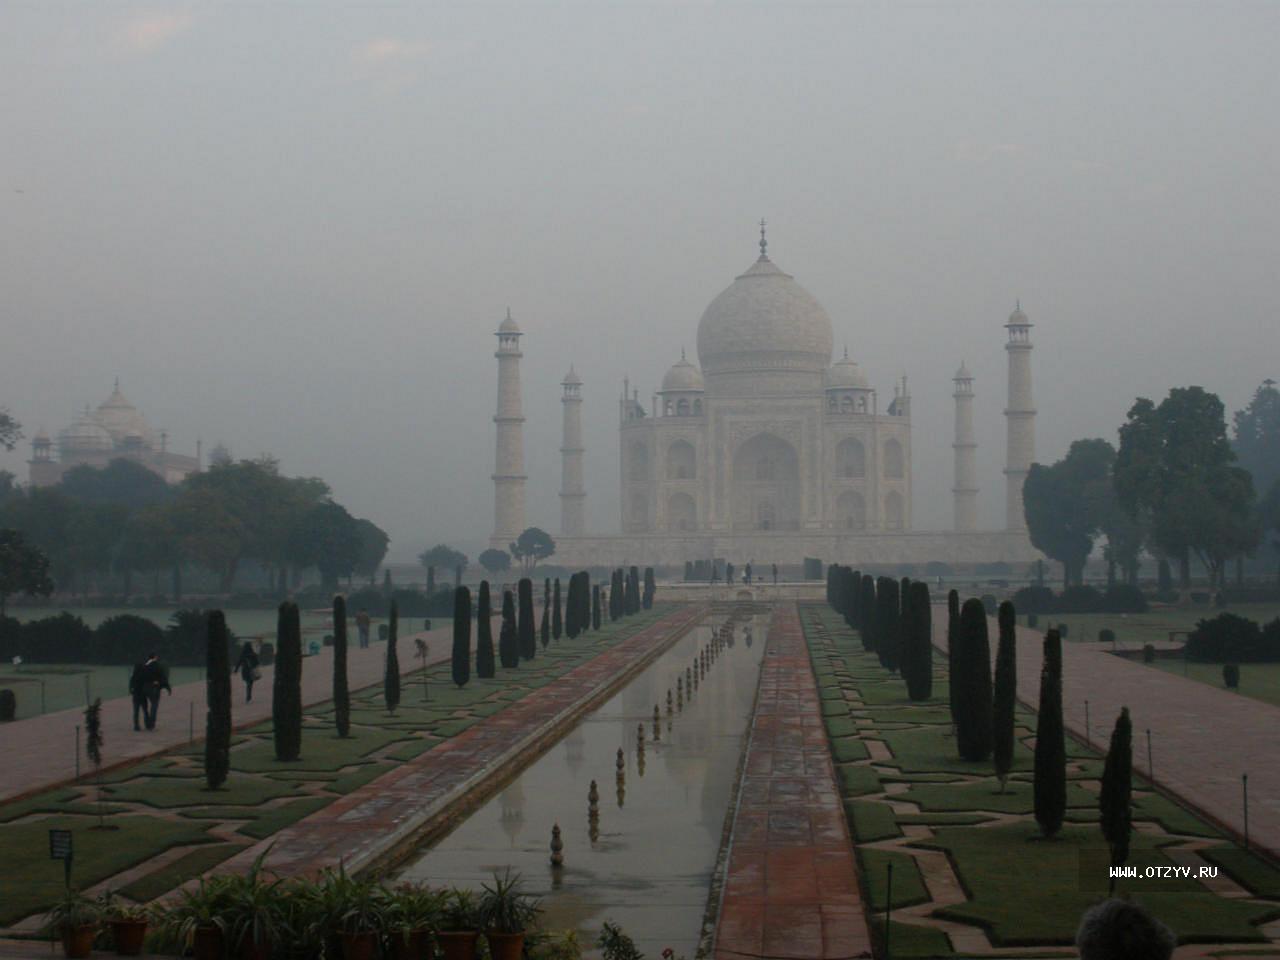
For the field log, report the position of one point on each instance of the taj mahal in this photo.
(766, 450)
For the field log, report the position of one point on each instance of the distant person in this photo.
(774, 567)
(137, 690)
(1120, 930)
(715, 571)
(728, 574)
(154, 679)
(362, 626)
(247, 667)
(746, 575)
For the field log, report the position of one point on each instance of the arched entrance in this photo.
(765, 486)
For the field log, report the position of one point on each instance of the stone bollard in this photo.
(593, 802)
(670, 701)
(557, 847)
(640, 737)
(621, 793)
(621, 765)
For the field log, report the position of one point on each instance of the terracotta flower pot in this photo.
(414, 945)
(128, 936)
(359, 946)
(78, 941)
(457, 944)
(251, 949)
(505, 946)
(207, 943)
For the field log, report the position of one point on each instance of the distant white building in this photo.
(115, 430)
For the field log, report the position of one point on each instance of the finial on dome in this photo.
(764, 244)
(682, 353)
(846, 351)
(117, 388)
(508, 313)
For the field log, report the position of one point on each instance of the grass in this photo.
(910, 940)
(908, 886)
(871, 821)
(191, 864)
(1251, 872)
(1135, 629)
(1260, 681)
(172, 792)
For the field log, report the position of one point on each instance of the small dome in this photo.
(571, 379)
(683, 376)
(42, 436)
(85, 434)
(845, 375)
(508, 325)
(963, 373)
(1018, 318)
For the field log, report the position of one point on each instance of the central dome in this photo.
(764, 320)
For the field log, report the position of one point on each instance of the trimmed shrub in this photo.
(1231, 676)
(917, 647)
(508, 641)
(1228, 637)
(973, 683)
(341, 690)
(557, 622)
(528, 641)
(1148, 653)
(595, 607)
(1106, 635)
(989, 604)
(1005, 693)
(571, 627)
(1124, 598)
(460, 660)
(867, 614)
(286, 687)
(8, 705)
(1035, 599)
(953, 627)
(217, 722)
(888, 624)
(391, 676)
(1050, 785)
(1117, 790)
(650, 588)
(485, 668)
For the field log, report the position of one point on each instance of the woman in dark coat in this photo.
(247, 666)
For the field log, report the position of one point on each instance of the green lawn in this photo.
(60, 686)
(1135, 629)
(1022, 890)
(1261, 681)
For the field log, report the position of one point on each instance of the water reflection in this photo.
(647, 864)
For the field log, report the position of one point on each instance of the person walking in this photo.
(139, 694)
(746, 574)
(362, 626)
(154, 679)
(247, 667)
(775, 574)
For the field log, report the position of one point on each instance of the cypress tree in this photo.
(391, 678)
(484, 633)
(461, 636)
(851, 595)
(832, 571)
(546, 612)
(584, 598)
(650, 588)
(508, 643)
(286, 687)
(973, 684)
(953, 624)
(595, 607)
(888, 623)
(557, 623)
(905, 635)
(1051, 748)
(571, 608)
(528, 640)
(919, 643)
(341, 690)
(217, 721)
(1117, 789)
(867, 608)
(615, 594)
(1005, 694)
(634, 592)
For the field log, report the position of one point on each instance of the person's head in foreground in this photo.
(1120, 930)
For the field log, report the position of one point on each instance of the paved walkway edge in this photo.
(792, 888)
(389, 819)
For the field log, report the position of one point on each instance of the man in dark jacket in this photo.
(154, 679)
(140, 701)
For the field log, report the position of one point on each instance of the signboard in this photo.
(59, 844)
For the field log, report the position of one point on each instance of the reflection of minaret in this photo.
(1020, 414)
(508, 472)
(965, 490)
(512, 802)
(573, 494)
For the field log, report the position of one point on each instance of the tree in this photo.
(461, 636)
(953, 627)
(545, 629)
(633, 590)
(484, 634)
(373, 542)
(23, 569)
(217, 720)
(441, 555)
(524, 619)
(391, 677)
(973, 683)
(571, 628)
(122, 482)
(556, 620)
(584, 602)
(1117, 790)
(508, 641)
(10, 430)
(867, 613)
(1005, 696)
(615, 594)
(650, 588)
(1068, 503)
(888, 625)
(495, 561)
(341, 692)
(531, 546)
(595, 607)
(1175, 474)
(286, 688)
(1050, 778)
(917, 646)
(1257, 436)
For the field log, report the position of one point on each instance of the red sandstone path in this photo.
(40, 752)
(791, 886)
(1203, 737)
(371, 822)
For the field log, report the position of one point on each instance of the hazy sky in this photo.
(294, 227)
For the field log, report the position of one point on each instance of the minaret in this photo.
(573, 494)
(1020, 415)
(508, 470)
(965, 491)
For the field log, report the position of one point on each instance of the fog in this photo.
(293, 228)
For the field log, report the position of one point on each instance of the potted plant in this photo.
(198, 919)
(505, 913)
(252, 913)
(74, 918)
(300, 920)
(413, 911)
(128, 922)
(360, 920)
(459, 926)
